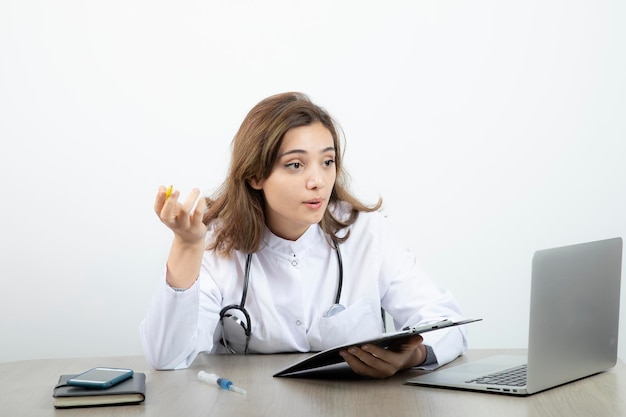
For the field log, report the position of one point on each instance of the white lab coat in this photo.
(292, 285)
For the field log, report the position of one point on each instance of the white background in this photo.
(490, 128)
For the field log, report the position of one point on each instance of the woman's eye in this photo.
(329, 162)
(294, 165)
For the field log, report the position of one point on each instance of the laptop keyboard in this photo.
(515, 377)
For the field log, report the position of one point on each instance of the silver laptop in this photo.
(574, 314)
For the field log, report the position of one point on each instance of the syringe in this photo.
(220, 382)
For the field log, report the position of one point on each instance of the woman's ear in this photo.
(257, 185)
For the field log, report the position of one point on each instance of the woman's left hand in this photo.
(377, 362)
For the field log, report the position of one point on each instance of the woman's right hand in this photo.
(186, 224)
(185, 220)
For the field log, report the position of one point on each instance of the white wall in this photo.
(490, 128)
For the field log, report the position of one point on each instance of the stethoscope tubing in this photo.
(246, 279)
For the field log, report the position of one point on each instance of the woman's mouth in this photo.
(314, 204)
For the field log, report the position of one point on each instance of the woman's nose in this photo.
(315, 180)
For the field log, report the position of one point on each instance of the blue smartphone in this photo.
(100, 377)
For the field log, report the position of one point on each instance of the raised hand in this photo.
(184, 219)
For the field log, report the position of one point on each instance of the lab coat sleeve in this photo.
(411, 297)
(170, 333)
(451, 343)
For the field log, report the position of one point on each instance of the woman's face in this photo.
(298, 188)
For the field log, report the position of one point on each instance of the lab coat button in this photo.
(298, 323)
(294, 263)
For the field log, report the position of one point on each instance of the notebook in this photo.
(130, 391)
(573, 326)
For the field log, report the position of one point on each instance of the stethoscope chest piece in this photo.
(334, 310)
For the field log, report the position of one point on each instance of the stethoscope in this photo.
(247, 328)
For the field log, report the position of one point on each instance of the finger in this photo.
(392, 354)
(171, 212)
(361, 368)
(366, 364)
(405, 353)
(159, 200)
(201, 208)
(414, 340)
(407, 343)
(357, 366)
(376, 356)
(179, 215)
(167, 206)
(191, 200)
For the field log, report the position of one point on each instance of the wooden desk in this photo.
(26, 390)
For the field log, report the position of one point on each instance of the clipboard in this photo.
(331, 356)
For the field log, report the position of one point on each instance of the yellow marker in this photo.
(168, 193)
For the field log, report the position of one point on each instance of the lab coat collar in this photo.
(311, 238)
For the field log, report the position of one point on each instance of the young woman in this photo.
(285, 259)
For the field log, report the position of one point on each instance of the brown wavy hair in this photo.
(239, 209)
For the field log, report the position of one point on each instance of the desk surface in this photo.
(26, 390)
